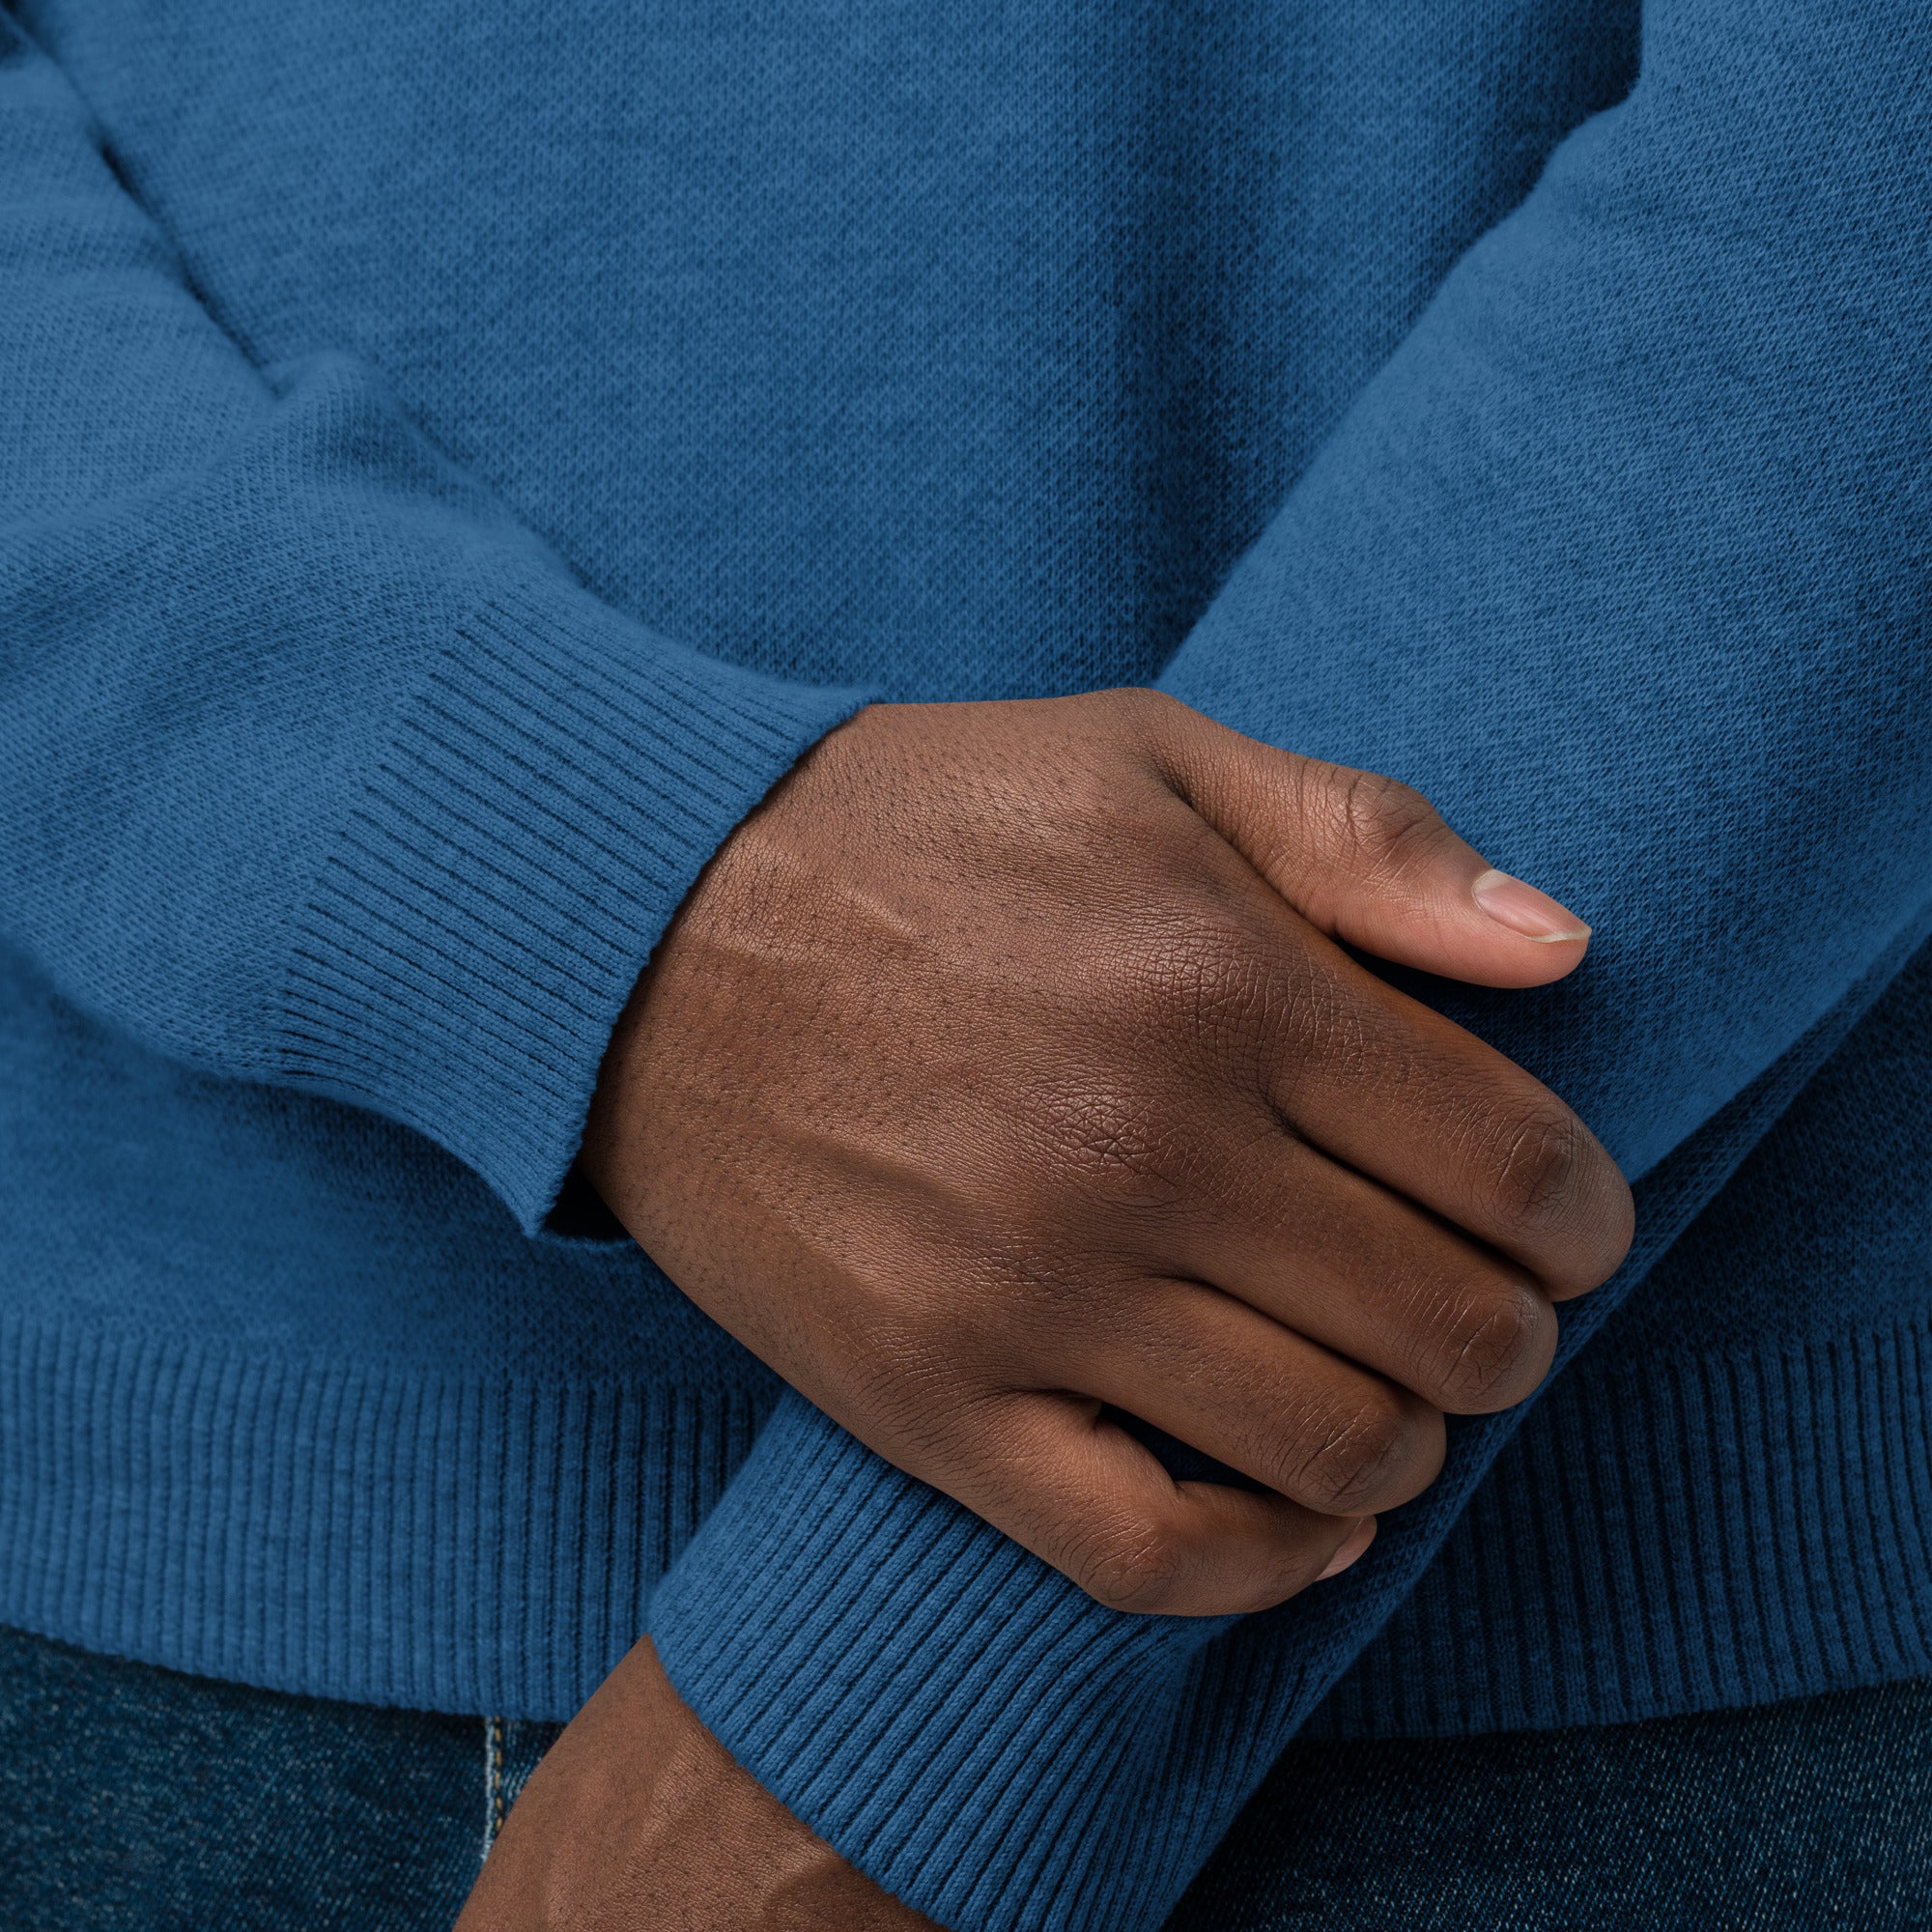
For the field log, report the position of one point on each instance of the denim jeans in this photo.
(132, 1800)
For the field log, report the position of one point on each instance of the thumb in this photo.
(1369, 861)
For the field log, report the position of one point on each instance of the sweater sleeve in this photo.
(315, 767)
(1621, 559)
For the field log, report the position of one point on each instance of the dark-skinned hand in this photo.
(1005, 1067)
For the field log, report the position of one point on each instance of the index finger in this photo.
(1381, 1082)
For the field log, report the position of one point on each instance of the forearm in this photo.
(637, 1819)
(316, 767)
(1621, 559)
(1620, 564)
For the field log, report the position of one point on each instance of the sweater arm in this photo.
(315, 767)
(1621, 559)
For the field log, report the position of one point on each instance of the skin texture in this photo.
(638, 1821)
(1004, 1067)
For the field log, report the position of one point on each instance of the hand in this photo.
(1004, 1066)
(638, 1821)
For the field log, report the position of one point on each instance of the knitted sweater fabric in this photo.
(454, 459)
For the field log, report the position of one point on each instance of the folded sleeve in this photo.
(1622, 560)
(316, 767)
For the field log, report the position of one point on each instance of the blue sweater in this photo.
(453, 456)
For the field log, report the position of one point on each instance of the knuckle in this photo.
(1143, 711)
(1031, 1292)
(1337, 1042)
(1134, 1565)
(1383, 820)
(1350, 1457)
(1204, 973)
(1606, 1220)
(909, 1384)
(1539, 1171)
(1115, 1144)
(1494, 1343)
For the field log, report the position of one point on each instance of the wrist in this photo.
(640, 1818)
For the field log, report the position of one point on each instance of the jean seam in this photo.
(493, 1782)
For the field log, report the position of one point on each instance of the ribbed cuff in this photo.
(968, 1727)
(548, 798)
(1677, 1532)
(977, 1734)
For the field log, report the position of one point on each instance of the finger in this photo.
(1369, 861)
(1217, 1375)
(1084, 1496)
(1386, 1085)
(1339, 1258)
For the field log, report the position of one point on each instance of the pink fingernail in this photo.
(1527, 911)
(1359, 1538)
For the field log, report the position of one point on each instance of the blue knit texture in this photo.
(455, 459)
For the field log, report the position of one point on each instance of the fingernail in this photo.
(1523, 909)
(1359, 1538)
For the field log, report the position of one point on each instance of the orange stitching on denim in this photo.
(493, 1782)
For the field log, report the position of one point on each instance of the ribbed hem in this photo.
(1000, 1751)
(963, 1722)
(545, 803)
(1003, 1753)
(1667, 1536)
(436, 1543)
